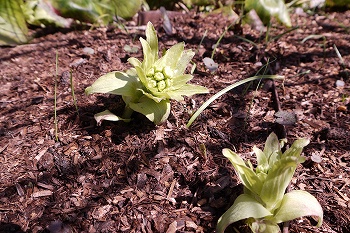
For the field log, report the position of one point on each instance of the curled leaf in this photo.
(296, 204)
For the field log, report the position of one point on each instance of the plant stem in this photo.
(73, 94)
(127, 112)
(55, 99)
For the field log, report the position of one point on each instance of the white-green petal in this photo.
(155, 112)
(296, 204)
(183, 62)
(244, 207)
(117, 83)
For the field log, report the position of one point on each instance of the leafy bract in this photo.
(148, 87)
(244, 207)
(265, 186)
(13, 28)
(269, 8)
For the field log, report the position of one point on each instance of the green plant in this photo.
(269, 8)
(55, 99)
(150, 85)
(264, 203)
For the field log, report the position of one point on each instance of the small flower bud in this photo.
(161, 85)
(151, 82)
(158, 76)
(150, 72)
(158, 69)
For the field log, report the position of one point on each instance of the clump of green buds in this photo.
(160, 78)
(148, 87)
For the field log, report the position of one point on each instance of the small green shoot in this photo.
(264, 203)
(151, 84)
(226, 89)
(55, 99)
(73, 93)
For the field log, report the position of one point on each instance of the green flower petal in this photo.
(148, 55)
(152, 39)
(171, 56)
(181, 80)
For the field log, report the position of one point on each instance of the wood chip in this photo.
(42, 193)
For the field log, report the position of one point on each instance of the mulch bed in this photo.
(138, 177)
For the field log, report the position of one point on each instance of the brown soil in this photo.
(138, 177)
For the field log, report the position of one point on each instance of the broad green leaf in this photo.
(277, 180)
(97, 11)
(296, 204)
(296, 148)
(244, 207)
(247, 176)
(152, 39)
(171, 57)
(13, 28)
(183, 62)
(181, 80)
(267, 8)
(41, 13)
(155, 112)
(125, 9)
(272, 148)
(109, 116)
(117, 83)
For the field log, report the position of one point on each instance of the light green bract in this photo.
(150, 85)
(264, 203)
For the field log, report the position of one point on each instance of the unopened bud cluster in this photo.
(160, 78)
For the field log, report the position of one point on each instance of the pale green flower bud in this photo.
(151, 82)
(158, 76)
(150, 72)
(161, 85)
(168, 72)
